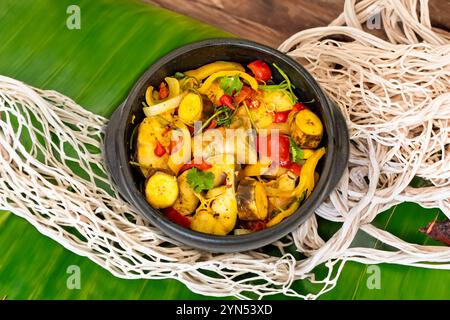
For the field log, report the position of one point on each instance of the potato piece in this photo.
(161, 190)
(276, 100)
(261, 117)
(286, 184)
(222, 163)
(182, 153)
(221, 218)
(251, 200)
(306, 128)
(149, 132)
(187, 200)
(214, 93)
(191, 107)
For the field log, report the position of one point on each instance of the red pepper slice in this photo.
(298, 107)
(281, 117)
(174, 216)
(200, 166)
(294, 167)
(159, 149)
(252, 103)
(226, 100)
(163, 91)
(256, 225)
(260, 70)
(245, 93)
(283, 142)
(212, 124)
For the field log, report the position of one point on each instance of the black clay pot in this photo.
(129, 182)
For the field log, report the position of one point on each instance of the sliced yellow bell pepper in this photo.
(306, 184)
(149, 96)
(174, 90)
(210, 68)
(174, 86)
(208, 82)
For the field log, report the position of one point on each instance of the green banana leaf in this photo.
(97, 65)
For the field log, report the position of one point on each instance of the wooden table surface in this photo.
(272, 21)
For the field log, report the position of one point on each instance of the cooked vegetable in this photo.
(279, 191)
(275, 148)
(231, 85)
(161, 190)
(302, 190)
(208, 69)
(191, 107)
(163, 91)
(307, 180)
(280, 117)
(164, 106)
(149, 96)
(187, 200)
(180, 149)
(151, 131)
(266, 169)
(260, 70)
(277, 100)
(226, 100)
(219, 181)
(208, 82)
(296, 151)
(177, 217)
(307, 153)
(159, 149)
(251, 200)
(306, 128)
(220, 216)
(262, 118)
(200, 165)
(174, 86)
(200, 180)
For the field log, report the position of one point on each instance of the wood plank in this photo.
(272, 21)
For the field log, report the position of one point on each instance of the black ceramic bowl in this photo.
(128, 180)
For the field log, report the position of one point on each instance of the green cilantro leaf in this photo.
(200, 180)
(231, 85)
(296, 151)
(225, 118)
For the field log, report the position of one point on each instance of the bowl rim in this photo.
(231, 243)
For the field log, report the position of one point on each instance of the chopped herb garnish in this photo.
(296, 151)
(231, 85)
(200, 180)
(223, 115)
(285, 85)
(250, 117)
(225, 118)
(133, 133)
(179, 75)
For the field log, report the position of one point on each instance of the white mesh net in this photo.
(394, 95)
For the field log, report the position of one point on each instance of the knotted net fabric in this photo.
(394, 94)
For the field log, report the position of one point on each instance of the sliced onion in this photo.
(162, 107)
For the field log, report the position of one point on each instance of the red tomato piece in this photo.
(260, 70)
